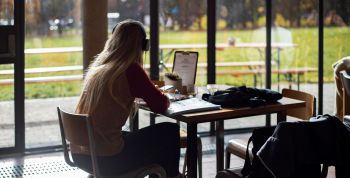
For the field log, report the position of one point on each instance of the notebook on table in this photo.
(189, 106)
(184, 106)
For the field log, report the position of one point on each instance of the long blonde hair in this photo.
(122, 49)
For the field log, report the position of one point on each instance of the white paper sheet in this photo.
(185, 64)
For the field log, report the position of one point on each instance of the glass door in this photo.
(11, 76)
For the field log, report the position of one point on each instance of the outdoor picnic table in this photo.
(165, 57)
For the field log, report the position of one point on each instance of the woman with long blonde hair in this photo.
(112, 83)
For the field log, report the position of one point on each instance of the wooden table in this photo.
(193, 119)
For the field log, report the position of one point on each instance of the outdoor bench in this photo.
(287, 73)
(255, 68)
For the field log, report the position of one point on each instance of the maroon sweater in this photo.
(111, 116)
(141, 87)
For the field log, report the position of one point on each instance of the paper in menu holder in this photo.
(185, 65)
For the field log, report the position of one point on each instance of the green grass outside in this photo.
(336, 45)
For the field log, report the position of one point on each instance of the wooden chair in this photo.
(238, 146)
(183, 138)
(70, 123)
(306, 112)
(345, 78)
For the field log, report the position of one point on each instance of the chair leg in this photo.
(152, 118)
(200, 157)
(185, 163)
(228, 159)
(153, 176)
(324, 170)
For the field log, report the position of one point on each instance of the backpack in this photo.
(254, 168)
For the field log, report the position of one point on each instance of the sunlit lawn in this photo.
(336, 45)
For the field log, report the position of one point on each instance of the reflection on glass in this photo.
(295, 64)
(183, 28)
(120, 10)
(7, 118)
(241, 33)
(6, 12)
(336, 46)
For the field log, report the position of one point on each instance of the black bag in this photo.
(254, 168)
(242, 96)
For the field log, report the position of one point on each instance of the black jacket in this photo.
(296, 149)
(243, 96)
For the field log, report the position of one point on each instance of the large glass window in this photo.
(7, 117)
(240, 39)
(53, 61)
(7, 121)
(6, 12)
(7, 127)
(336, 46)
(120, 10)
(183, 27)
(295, 45)
(240, 54)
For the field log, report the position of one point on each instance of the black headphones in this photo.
(145, 42)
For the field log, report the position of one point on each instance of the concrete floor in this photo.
(53, 165)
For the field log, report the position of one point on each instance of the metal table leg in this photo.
(281, 116)
(134, 122)
(220, 145)
(192, 150)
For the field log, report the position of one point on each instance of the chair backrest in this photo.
(306, 112)
(77, 129)
(345, 78)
